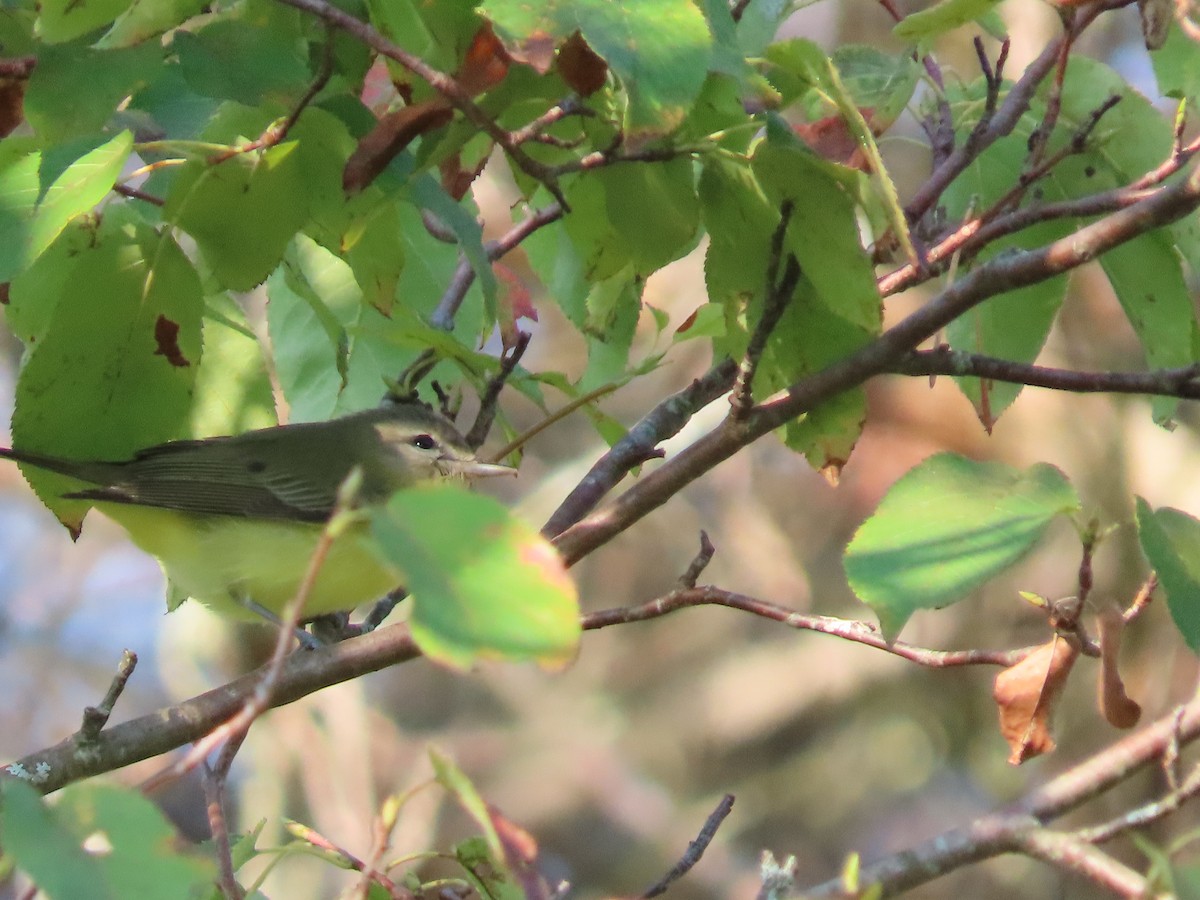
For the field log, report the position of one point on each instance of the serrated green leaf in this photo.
(237, 59)
(115, 368)
(946, 527)
(242, 212)
(485, 585)
(1170, 539)
(84, 184)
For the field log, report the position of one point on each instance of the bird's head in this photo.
(425, 445)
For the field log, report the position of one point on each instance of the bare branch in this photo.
(847, 629)
(664, 421)
(464, 274)
(1183, 382)
(96, 717)
(695, 849)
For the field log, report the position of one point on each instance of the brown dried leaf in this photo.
(1026, 694)
(393, 133)
(1118, 707)
(485, 63)
(580, 67)
(12, 104)
(537, 51)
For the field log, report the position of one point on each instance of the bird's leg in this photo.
(382, 610)
(308, 641)
(334, 627)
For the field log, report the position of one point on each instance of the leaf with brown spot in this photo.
(12, 104)
(1026, 693)
(166, 337)
(1118, 707)
(580, 66)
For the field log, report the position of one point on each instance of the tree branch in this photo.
(1183, 382)
(999, 275)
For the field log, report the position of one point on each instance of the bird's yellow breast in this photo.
(219, 559)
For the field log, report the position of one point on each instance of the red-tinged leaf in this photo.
(394, 132)
(520, 855)
(377, 89)
(831, 139)
(580, 67)
(485, 63)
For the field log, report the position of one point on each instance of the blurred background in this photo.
(829, 747)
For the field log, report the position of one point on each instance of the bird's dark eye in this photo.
(424, 442)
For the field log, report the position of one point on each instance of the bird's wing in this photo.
(229, 478)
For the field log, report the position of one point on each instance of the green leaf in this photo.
(946, 527)
(115, 368)
(1170, 540)
(46, 849)
(1177, 67)
(77, 190)
(807, 61)
(233, 390)
(243, 60)
(659, 49)
(242, 212)
(144, 860)
(485, 585)
(75, 90)
(19, 189)
(653, 209)
(148, 18)
(64, 20)
(1147, 278)
(943, 16)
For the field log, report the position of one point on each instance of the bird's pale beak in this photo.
(470, 468)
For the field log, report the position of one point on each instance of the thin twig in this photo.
(664, 421)
(464, 273)
(699, 562)
(1183, 382)
(779, 291)
(488, 401)
(847, 629)
(96, 717)
(215, 778)
(557, 416)
(694, 850)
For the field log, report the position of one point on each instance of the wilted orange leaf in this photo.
(1117, 706)
(1026, 694)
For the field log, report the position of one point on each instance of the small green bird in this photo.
(233, 521)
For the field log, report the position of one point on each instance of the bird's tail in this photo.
(74, 468)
